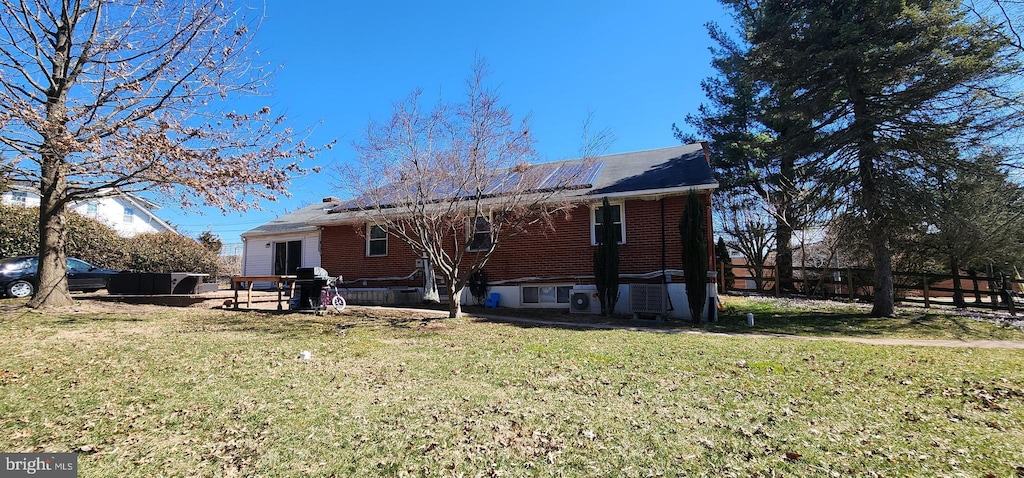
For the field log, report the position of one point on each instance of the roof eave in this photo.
(654, 193)
(309, 227)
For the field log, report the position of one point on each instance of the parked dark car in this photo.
(19, 276)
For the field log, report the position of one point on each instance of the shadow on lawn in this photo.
(94, 318)
(834, 323)
(852, 324)
(297, 324)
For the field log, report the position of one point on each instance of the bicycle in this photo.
(330, 295)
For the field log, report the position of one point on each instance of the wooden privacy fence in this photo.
(851, 284)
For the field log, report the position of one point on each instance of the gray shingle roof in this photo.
(298, 221)
(653, 172)
(646, 172)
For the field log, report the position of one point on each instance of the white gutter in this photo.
(654, 193)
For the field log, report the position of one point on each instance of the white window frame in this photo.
(92, 208)
(370, 238)
(129, 215)
(471, 232)
(543, 304)
(593, 221)
(19, 198)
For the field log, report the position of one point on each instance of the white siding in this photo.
(31, 199)
(108, 210)
(111, 211)
(258, 257)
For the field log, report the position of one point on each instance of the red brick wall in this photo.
(343, 251)
(541, 253)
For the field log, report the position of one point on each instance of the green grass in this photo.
(810, 318)
(188, 392)
(837, 319)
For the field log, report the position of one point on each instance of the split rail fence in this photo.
(1000, 292)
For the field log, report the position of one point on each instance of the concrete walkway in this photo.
(981, 344)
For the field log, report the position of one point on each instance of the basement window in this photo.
(546, 294)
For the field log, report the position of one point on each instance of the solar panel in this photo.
(572, 176)
(568, 176)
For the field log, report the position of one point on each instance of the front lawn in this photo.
(191, 392)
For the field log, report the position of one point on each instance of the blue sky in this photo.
(636, 65)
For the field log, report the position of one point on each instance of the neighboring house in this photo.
(128, 214)
(284, 244)
(548, 268)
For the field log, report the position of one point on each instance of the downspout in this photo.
(712, 281)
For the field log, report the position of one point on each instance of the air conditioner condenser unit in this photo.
(584, 301)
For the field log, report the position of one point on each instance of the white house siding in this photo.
(108, 210)
(258, 257)
(29, 199)
(111, 211)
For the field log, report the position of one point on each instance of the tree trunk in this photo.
(53, 183)
(454, 300)
(867, 151)
(958, 292)
(784, 255)
(52, 290)
(784, 224)
(885, 297)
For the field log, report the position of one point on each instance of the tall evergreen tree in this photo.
(748, 165)
(693, 234)
(606, 261)
(888, 87)
(976, 217)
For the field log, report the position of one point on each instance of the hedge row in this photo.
(98, 244)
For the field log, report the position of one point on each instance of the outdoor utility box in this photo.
(140, 283)
(310, 283)
(184, 282)
(155, 283)
(124, 283)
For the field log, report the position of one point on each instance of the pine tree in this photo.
(883, 89)
(748, 165)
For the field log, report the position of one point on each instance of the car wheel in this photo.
(20, 289)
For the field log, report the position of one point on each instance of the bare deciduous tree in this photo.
(747, 231)
(109, 96)
(456, 181)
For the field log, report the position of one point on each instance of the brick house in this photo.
(554, 268)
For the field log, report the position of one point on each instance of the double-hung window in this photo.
(376, 241)
(597, 218)
(129, 215)
(480, 233)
